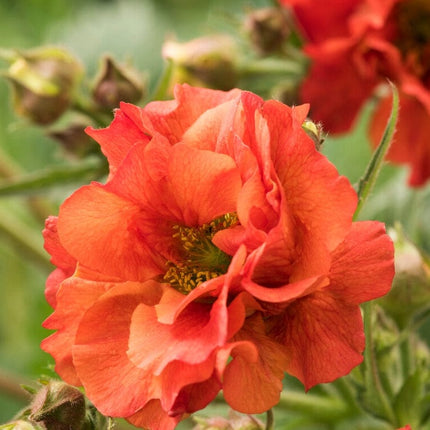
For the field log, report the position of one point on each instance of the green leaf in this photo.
(366, 183)
(37, 182)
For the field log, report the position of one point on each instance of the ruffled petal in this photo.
(74, 297)
(363, 264)
(113, 383)
(252, 381)
(323, 336)
(107, 227)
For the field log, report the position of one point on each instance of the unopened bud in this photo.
(268, 29)
(314, 131)
(234, 422)
(58, 406)
(74, 140)
(207, 61)
(43, 82)
(410, 292)
(117, 83)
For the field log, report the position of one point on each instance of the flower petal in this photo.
(112, 382)
(363, 264)
(324, 338)
(107, 227)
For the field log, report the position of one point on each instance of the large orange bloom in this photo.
(355, 45)
(220, 254)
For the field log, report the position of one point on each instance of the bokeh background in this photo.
(129, 30)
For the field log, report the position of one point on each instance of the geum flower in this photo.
(355, 46)
(220, 254)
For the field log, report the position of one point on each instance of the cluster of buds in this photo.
(45, 85)
(58, 406)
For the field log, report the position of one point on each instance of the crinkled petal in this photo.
(252, 381)
(113, 383)
(74, 297)
(118, 138)
(363, 264)
(152, 416)
(323, 336)
(109, 240)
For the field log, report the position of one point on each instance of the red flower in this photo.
(220, 254)
(355, 45)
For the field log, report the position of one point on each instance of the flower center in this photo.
(202, 260)
(413, 35)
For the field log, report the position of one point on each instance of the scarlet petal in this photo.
(117, 139)
(363, 265)
(323, 336)
(173, 118)
(74, 297)
(106, 226)
(196, 332)
(112, 382)
(252, 381)
(152, 416)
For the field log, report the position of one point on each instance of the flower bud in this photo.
(267, 28)
(235, 422)
(58, 406)
(116, 83)
(207, 62)
(74, 140)
(410, 292)
(43, 81)
(314, 131)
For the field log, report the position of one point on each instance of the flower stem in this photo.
(321, 409)
(164, 82)
(272, 66)
(24, 239)
(270, 421)
(366, 183)
(373, 380)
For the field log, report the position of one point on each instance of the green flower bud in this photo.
(207, 62)
(116, 83)
(43, 81)
(58, 406)
(268, 29)
(314, 131)
(234, 422)
(410, 292)
(74, 140)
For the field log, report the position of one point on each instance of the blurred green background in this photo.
(128, 29)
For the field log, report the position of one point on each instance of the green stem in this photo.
(11, 386)
(346, 392)
(373, 169)
(270, 421)
(86, 108)
(373, 381)
(163, 83)
(272, 66)
(322, 409)
(24, 239)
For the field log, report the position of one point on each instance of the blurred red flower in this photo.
(355, 46)
(220, 254)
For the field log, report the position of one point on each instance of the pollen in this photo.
(202, 260)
